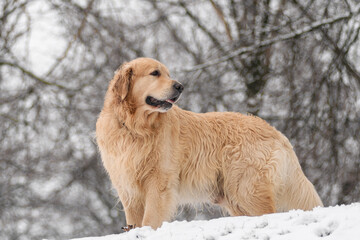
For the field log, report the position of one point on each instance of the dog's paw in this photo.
(128, 227)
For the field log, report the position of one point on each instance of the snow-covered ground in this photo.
(339, 222)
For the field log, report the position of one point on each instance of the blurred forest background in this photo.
(294, 63)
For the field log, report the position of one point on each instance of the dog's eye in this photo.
(155, 73)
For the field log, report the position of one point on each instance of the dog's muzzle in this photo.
(167, 103)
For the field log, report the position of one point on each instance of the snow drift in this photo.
(339, 222)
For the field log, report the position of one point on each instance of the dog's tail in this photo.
(301, 193)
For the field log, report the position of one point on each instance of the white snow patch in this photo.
(339, 222)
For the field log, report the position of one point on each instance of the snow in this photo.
(339, 222)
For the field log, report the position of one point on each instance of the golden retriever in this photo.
(159, 156)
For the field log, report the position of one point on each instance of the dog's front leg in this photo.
(160, 205)
(134, 212)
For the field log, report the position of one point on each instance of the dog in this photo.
(159, 156)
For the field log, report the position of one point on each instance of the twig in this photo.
(71, 42)
(220, 13)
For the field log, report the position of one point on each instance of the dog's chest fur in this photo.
(132, 161)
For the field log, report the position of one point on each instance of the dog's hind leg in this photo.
(252, 195)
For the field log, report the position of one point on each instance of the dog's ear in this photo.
(122, 80)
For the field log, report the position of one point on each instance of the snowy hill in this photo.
(339, 222)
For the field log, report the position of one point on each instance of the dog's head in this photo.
(146, 84)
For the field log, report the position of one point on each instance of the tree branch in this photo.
(32, 75)
(312, 27)
(341, 52)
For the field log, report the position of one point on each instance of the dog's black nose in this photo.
(178, 87)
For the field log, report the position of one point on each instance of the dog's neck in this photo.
(140, 123)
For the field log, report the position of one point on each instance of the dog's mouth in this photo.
(164, 104)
